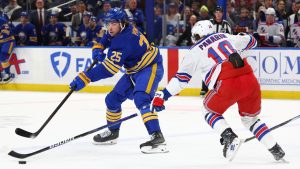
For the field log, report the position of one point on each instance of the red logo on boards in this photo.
(15, 62)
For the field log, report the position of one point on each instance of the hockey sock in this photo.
(260, 130)
(150, 119)
(217, 122)
(113, 116)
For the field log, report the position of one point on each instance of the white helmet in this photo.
(270, 11)
(201, 28)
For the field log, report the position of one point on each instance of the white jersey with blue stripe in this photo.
(208, 55)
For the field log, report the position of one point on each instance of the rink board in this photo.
(53, 68)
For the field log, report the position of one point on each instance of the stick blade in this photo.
(24, 133)
(17, 155)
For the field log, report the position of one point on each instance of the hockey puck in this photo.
(22, 162)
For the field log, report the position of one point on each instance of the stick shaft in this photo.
(25, 133)
(22, 156)
(275, 127)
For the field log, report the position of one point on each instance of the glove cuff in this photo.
(84, 78)
(98, 46)
(167, 95)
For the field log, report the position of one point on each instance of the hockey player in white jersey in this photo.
(231, 81)
(270, 33)
(294, 33)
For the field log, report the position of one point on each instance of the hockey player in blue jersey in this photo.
(95, 32)
(25, 32)
(54, 33)
(7, 44)
(82, 37)
(144, 70)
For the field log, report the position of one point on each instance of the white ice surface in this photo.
(192, 143)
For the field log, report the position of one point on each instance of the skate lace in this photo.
(105, 133)
(152, 137)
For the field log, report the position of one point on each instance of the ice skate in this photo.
(277, 152)
(155, 145)
(108, 137)
(231, 144)
(6, 78)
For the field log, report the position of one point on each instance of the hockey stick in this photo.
(275, 127)
(22, 156)
(28, 134)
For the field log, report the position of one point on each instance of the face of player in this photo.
(113, 28)
(92, 24)
(53, 20)
(270, 19)
(23, 19)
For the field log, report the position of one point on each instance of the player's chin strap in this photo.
(122, 26)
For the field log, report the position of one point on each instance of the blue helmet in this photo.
(115, 15)
(24, 14)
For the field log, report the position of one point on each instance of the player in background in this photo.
(81, 37)
(230, 80)
(144, 70)
(95, 31)
(25, 32)
(7, 44)
(270, 33)
(54, 33)
(293, 39)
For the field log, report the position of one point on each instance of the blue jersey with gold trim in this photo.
(94, 34)
(6, 34)
(53, 33)
(130, 49)
(26, 34)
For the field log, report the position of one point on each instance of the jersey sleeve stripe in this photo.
(146, 60)
(113, 67)
(11, 45)
(252, 43)
(113, 64)
(183, 77)
(6, 39)
(209, 75)
(108, 68)
(33, 39)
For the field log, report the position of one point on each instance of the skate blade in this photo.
(282, 160)
(5, 82)
(110, 142)
(236, 150)
(155, 150)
